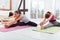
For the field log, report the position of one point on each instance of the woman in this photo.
(52, 21)
(20, 20)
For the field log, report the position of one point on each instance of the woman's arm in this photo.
(20, 17)
(48, 19)
(14, 21)
(42, 23)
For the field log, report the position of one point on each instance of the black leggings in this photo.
(31, 24)
(23, 24)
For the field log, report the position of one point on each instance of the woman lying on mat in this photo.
(52, 21)
(20, 20)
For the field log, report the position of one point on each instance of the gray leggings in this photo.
(50, 24)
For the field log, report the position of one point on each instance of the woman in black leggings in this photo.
(21, 20)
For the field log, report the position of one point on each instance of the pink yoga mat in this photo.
(12, 28)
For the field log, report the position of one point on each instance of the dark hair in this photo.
(18, 12)
(47, 14)
(10, 14)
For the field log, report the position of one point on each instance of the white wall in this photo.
(57, 2)
(15, 4)
(48, 6)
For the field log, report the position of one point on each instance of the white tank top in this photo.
(24, 19)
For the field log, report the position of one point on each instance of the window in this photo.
(36, 9)
(57, 9)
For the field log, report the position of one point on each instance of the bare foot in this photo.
(6, 26)
(42, 28)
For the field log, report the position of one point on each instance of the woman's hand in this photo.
(41, 23)
(6, 25)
